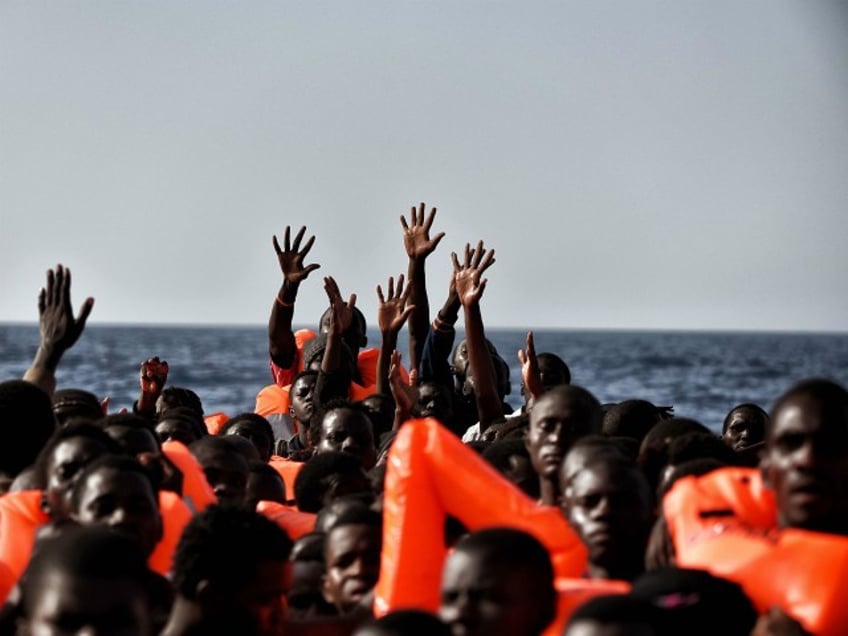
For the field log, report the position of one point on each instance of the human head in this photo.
(64, 456)
(552, 370)
(608, 504)
(559, 418)
(224, 466)
(380, 409)
(511, 459)
(68, 403)
(306, 596)
(404, 623)
(653, 453)
(696, 603)
(178, 397)
(694, 447)
(180, 424)
(26, 410)
(805, 460)
(352, 557)
(744, 430)
(345, 427)
(301, 394)
(255, 428)
(631, 418)
(91, 578)
(327, 476)
(264, 484)
(354, 336)
(133, 433)
(230, 563)
(434, 400)
(615, 615)
(498, 582)
(116, 491)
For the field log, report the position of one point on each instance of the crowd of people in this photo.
(373, 496)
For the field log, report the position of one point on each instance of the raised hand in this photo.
(530, 375)
(405, 395)
(416, 233)
(467, 276)
(291, 258)
(153, 376)
(59, 329)
(342, 312)
(393, 312)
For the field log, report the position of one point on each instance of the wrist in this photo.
(288, 293)
(47, 356)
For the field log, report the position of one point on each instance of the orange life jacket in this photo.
(431, 474)
(197, 492)
(572, 593)
(288, 470)
(293, 521)
(20, 517)
(725, 522)
(175, 516)
(215, 422)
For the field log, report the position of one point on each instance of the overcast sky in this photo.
(634, 164)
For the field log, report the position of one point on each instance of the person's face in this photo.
(480, 597)
(349, 432)
(460, 362)
(175, 430)
(610, 511)
(226, 473)
(352, 557)
(300, 397)
(434, 401)
(124, 501)
(305, 598)
(255, 436)
(556, 422)
(806, 464)
(261, 487)
(744, 429)
(354, 335)
(68, 605)
(64, 465)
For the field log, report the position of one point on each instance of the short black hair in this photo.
(255, 420)
(619, 609)
(187, 415)
(178, 396)
(409, 622)
(832, 397)
(88, 552)
(631, 418)
(336, 404)
(698, 446)
(224, 545)
(128, 420)
(121, 463)
(68, 403)
(499, 452)
(317, 476)
(25, 411)
(359, 516)
(758, 412)
(653, 454)
(77, 428)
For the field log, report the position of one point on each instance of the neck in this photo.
(548, 492)
(621, 568)
(186, 618)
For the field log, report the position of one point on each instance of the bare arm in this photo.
(405, 395)
(392, 312)
(470, 288)
(281, 343)
(418, 245)
(152, 379)
(59, 330)
(530, 375)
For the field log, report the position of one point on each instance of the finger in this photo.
(413, 377)
(400, 286)
(104, 406)
(436, 239)
(430, 217)
(287, 241)
(478, 255)
(467, 254)
(310, 268)
(482, 286)
(308, 245)
(51, 287)
(66, 287)
(455, 262)
(391, 287)
(42, 304)
(395, 357)
(407, 313)
(521, 357)
(488, 261)
(352, 301)
(380, 295)
(85, 312)
(421, 208)
(403, 223)
(276, 245)
(298, 238)
(531, 345)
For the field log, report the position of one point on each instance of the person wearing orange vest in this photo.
(793, 553)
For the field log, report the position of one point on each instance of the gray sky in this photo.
(634, 164)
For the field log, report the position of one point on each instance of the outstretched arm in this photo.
(152, 379)
(470, 287)
(418, 245)
(281, 343)
(59, 330)
(392, 312)
(405, 395)
(530, 375)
